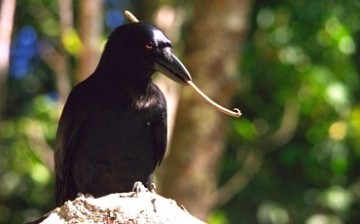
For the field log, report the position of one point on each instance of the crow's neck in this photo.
(122, 83)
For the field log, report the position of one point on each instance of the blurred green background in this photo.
(297, 142)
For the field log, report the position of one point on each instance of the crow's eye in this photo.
(149, 45)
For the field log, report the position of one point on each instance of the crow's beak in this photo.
(168, 64)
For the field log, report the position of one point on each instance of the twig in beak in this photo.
(234, 113)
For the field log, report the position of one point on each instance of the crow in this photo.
(113, 129)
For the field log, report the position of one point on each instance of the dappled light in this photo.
(292, 157)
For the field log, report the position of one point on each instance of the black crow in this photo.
(113, 129)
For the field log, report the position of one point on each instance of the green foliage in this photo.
(300, 63)
(300, 52)
(26, 184)
(218, 217)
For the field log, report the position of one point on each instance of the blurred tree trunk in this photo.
(61, 63)
(7, 12)
(170, 20)
(90, 30)
(215, 36)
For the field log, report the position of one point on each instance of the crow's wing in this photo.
(71, 121)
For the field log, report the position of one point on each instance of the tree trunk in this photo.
(61, 62)
(7, 12)
(215, 36)
(90, 29)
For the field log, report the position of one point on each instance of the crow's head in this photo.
(140, 49)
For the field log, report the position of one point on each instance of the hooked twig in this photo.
(234, 113)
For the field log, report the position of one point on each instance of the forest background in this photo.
(292, 67)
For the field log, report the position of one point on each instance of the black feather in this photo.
(113, 129)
